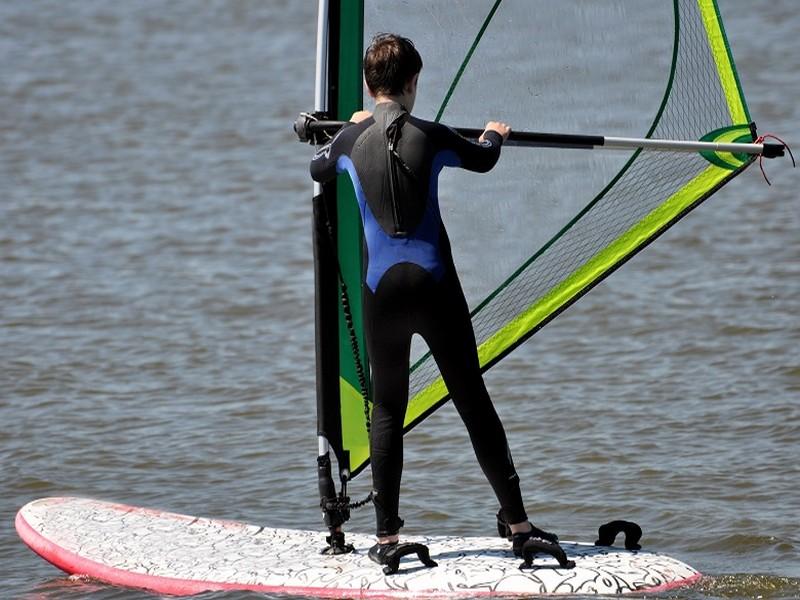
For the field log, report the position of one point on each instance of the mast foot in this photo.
(336, 544)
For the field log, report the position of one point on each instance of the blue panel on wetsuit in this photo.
(420, 247)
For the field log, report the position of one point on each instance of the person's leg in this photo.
(390, 391)
(449, 334)
(388, 344)
(452, 342)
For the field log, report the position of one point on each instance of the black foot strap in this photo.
(336, 544)
(608, 533)
(389, 555)
(536, 545)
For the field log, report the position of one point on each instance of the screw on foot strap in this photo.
(608, 533)
(536, 545)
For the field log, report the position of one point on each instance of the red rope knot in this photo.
(760, 140)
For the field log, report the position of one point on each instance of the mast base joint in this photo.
(336, 544)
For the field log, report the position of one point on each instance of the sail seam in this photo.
(466, 60)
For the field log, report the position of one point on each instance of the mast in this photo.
(336, 235)
(325, 298)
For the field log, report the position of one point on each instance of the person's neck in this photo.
(401, 100)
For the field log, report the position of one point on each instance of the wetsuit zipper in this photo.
(391, 156)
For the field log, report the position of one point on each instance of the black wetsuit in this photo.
(411, 286)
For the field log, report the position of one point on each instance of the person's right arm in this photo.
(497, 127)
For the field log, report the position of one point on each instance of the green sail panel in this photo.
(355, 440)
(547, 225)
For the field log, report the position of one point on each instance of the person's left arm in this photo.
(323, 164)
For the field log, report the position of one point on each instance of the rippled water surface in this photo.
(156, 314)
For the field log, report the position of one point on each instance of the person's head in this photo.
(391, 68)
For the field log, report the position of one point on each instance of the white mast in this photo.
(321, 105)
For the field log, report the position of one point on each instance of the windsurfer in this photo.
(410, 282)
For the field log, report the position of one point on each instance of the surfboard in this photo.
(178, 554)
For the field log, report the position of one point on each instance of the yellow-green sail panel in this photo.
(355, 440)
(724, 61)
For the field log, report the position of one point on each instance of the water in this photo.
(156, 328)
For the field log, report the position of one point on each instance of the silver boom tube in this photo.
(681, 146)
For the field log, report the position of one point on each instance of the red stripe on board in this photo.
(665, 587)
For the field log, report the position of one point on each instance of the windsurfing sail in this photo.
(545, 226)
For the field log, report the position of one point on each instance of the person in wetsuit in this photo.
(410, 283)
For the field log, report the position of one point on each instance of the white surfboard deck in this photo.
(181, 555)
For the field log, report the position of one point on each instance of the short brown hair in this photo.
(389, 63)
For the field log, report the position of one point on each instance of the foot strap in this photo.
(608, 533)
(504, 530)
(536, 545)
(389, 555)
